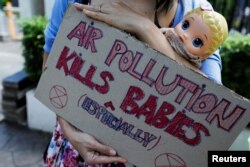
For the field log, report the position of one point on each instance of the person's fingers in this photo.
(104, 154)
(102, 159)
(93, 8)
(103, 149)
(97, 16)
(106, 159)
(78, 6)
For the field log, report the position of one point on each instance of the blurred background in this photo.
(22, 23)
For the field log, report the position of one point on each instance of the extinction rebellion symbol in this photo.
(169, 160)
(58, 96)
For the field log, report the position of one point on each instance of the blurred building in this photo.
(30, 8)
(22, 9)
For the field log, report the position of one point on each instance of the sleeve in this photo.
(212, 67)
(52, 27)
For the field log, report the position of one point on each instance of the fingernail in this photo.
(112, 152)
(76, 4)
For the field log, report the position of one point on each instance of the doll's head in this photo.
(202, 31)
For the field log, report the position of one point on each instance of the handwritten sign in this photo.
(152, 110)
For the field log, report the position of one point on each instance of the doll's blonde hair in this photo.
(217, 24)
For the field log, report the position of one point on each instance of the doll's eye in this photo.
(197, 42)
(185, 25)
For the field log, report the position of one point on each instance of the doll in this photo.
(198, 35)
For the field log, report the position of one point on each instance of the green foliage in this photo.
(4, 2)
(1, 4)
(33, 41)
(233, 11)
(235, 55)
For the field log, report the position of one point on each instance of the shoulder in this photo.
(59, 7)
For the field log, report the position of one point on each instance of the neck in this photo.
(165, 18)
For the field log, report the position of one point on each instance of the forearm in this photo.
(152, 35)
(147, 32)
(67, 129)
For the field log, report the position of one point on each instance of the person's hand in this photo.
(116, 14)
(92, 151)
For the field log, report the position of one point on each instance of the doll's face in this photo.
(195, 35)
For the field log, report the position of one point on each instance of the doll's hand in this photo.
(92, 151)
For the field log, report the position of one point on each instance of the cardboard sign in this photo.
(152, 110)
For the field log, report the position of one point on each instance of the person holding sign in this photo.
(147, 31)
(71, 147)
(198, 35)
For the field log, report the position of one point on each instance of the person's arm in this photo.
(55, 20)
(212, 66)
